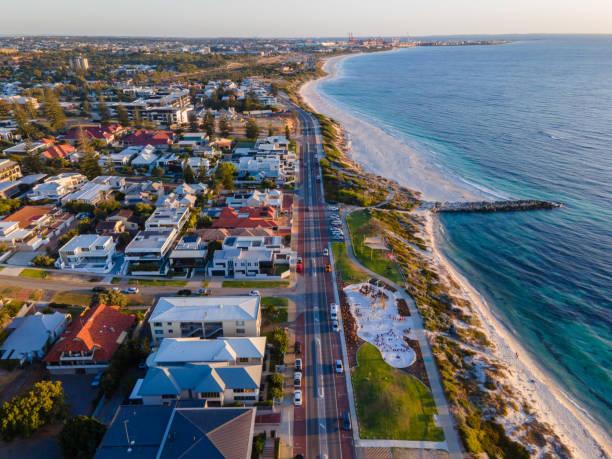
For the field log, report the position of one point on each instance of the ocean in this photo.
(528, 119)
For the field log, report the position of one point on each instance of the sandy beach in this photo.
(369, 147)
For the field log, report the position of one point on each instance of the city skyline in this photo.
(290, 19)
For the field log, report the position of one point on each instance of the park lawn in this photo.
(375, 260)
(34, 273)
(391, 404)
(74, 298)
(345, 268)
(255, 284)
(274, 310)
(274, 301)
(159, 282)
(10, 290)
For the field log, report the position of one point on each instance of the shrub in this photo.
(43, 261)
(80, 437)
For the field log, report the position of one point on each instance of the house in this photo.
(242, 257)
(90, 193)
(256, 198)
(31, 335)
(145, 158)
(90, 341)
(199, 164)
(25, 147)
(87, 253)
(247, 217)
(142, 137)
(170, 162)
(199, 137)
(116, 182)
(210, 385)
(60, 151)
(9, 170)
(179, 317)
(195, 189)
(146, 253)
(174, 200)
(35, 225)
(56, 187)
(190, 253)
(110, 228)
(12, 188)
(105, 133)
(127, 217)
(167, 218)
(124, 157)
(220, 234)
(260, 166)
(170, 431)
(214, 352)
(143, 192)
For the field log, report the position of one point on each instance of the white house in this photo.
(90, 193)
(56, 187)
(167, 218)
(179, 317)
(145, 157)
(146, 253)
(87, 253)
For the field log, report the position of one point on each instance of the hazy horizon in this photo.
(296, 19)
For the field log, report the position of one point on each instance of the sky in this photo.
(302, 18)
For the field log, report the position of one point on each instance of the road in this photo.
(317, 430)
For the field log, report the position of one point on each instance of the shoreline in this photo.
(581, 434)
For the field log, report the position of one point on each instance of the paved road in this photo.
(317, 429)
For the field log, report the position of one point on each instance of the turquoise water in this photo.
(530, 119)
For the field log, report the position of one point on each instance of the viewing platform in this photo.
(495, 206)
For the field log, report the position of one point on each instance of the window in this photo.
(209, 394)
(240, 323)
(169, 323)
(170, 331)
(241, 331)
(159, 332)
(243, 360)
(157, 324)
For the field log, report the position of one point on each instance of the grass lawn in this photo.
(158, 282)
(255, 284)
(9, 290)
(116, 280)
(75, 298)
(35, 273)
(274, 309)
(376, 260)
(205, 283)
(345, 268)
(391, 404)
(274, 301)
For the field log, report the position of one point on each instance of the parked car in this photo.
(99, 289)
(297, 379)
(299, 259)
(254, 293)
(346, 421)
(298, 364)
(325, 252)
(298, 347)
(335, 325)
(203, 292)
(184, 292)
(339, 368)
(297, 398)
(96, 380)
(130, 290)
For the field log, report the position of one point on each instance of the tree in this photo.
(122, 115)
(193, 121)
(43, 261)
(157, 172)
(279, 340)
(31, 160)
(109, 167)
(287, 132)
(53, 110)
(224, 127)
(109, 298)
(80, 437)
(188, 175)
(225, 174)
(274, 89)
(103, 110)
(85, 108)
(104, 208)
(90, 166)
(270, 130)
(25, 414)
(252, 129)
(137, 119)
(208, 124)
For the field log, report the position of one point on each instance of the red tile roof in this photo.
(261, 217)
(58, 151)
(97, 330)
(28, 215)
(144, 137)
(106, 132)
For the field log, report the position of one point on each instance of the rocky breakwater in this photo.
(494, 206)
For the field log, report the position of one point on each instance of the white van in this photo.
(333, 311)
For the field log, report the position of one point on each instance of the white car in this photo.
(325, 252)
(335, 325)
(131, 290)
(254, 293)
(339, 368)
(297, 398)
(297, 379)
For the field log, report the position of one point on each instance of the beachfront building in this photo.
(146, 254)
(87, 253)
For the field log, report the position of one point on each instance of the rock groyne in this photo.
(495, 206)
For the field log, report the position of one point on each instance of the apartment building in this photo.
(87, 253)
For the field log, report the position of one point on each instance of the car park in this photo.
(335, 325)
(297, 398)
(298, 364)
(184, 292)
(339, 368)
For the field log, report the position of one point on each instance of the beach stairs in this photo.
(268, 451)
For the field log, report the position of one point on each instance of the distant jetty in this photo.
(495, 206)
(453, 43)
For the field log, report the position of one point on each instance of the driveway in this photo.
(79, 392)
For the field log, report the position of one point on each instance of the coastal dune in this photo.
(381, 154)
